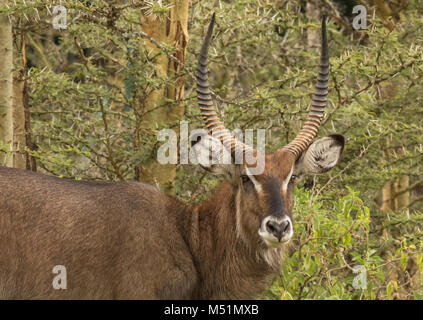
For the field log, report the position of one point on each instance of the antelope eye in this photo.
(293, 178)
(245, 178)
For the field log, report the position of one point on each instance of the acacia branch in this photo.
(415, 201)
(413, 186)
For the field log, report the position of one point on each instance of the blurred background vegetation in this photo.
(89, 100)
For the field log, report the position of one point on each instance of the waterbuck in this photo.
(120, 240)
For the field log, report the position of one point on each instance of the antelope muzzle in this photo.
(276, 231)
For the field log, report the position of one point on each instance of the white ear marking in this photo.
(322, 155)
(211, 154)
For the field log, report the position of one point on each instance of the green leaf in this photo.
(389, 289)
(403, 260)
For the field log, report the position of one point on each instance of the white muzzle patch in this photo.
(275, 231)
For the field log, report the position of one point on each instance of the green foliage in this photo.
(332, 239)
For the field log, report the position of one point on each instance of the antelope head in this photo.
(264, 201)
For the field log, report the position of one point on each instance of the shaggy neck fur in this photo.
(228, 267)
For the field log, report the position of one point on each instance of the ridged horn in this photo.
(210, 117)
(318, 104)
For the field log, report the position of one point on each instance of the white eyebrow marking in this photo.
(257, 185)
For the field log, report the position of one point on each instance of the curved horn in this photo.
(318, 104)
(210, 117)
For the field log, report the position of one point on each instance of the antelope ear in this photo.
(210, 153)
(321, 156)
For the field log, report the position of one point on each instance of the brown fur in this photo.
(129, 240)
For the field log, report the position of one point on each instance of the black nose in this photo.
(278, 229)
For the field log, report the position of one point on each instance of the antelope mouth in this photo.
(275, 243)
(276, 232)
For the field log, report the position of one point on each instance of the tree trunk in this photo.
(386, 197)
(389, 11)
(21, 117)
(313, 13)
(390, 200)
(6, 91)
(172, 31)
(403, 198)
(19, 138)
(19, 141)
